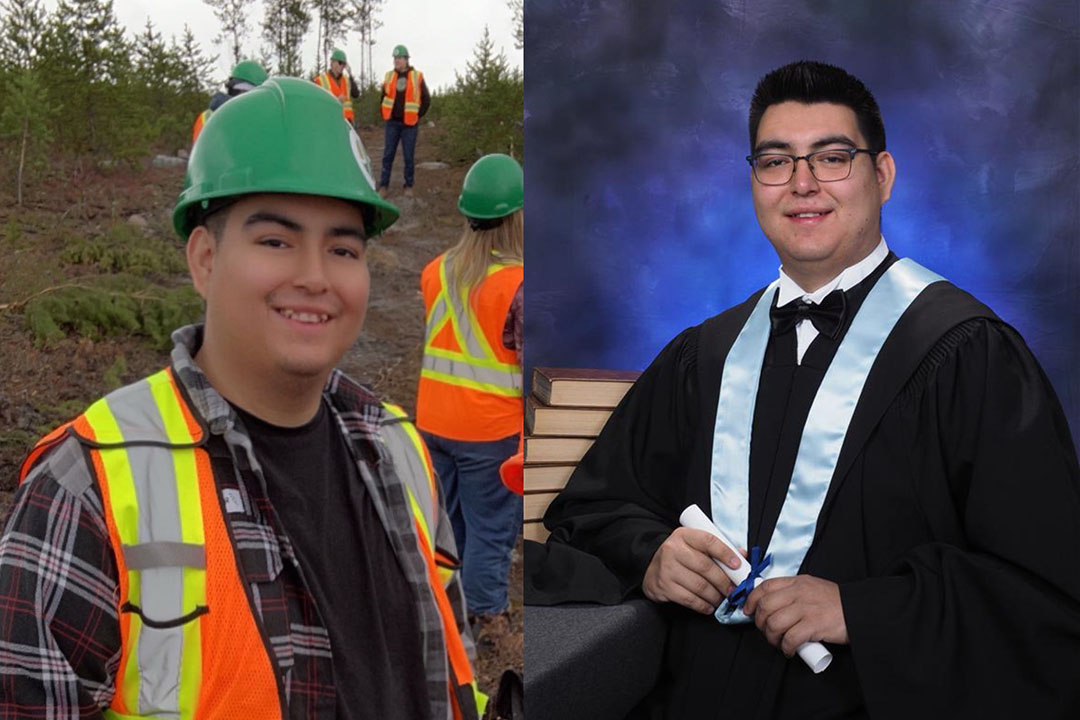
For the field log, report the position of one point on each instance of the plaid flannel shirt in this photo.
(59, 625)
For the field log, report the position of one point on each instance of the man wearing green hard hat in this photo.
(469, 402)
(249, 532)
(337, 83)
(405, 99)
(246, 75)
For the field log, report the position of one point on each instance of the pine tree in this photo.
(284, 26)
(364, 20)
(198, 69)
(486, 69)
(84, 38)
(482, 114)
(332, 28)
(24, 118)
(517, 7)
(20, 39)
(232, 14)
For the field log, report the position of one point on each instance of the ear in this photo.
(201, 248)
(886, 174)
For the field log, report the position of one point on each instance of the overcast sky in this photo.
(440, 34)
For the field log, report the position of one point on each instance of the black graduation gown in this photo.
(952, 523)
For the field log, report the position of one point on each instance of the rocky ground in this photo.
(41, 387)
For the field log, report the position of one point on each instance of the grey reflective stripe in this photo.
(164, 554)
(410, 469)
(460, 307)
(137, 414)
(161, 589)
(487, 376)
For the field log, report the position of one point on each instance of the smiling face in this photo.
(286, 287)
(820, 228)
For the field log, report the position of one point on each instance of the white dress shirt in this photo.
(805, 332)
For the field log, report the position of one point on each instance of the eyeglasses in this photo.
(825, 165)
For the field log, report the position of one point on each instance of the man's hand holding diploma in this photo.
(791, 611)
(683, 570)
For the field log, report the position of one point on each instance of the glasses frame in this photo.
(852, 152)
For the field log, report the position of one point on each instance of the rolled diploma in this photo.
(813, 654)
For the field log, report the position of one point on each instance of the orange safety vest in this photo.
(413, 81)
(185, 621)
(200, 120)
(339, 89)
(470, 384)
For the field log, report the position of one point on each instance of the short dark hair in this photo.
(814, 82)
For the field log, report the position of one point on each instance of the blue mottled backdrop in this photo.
(640, 221)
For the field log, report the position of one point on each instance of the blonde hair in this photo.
(503, 245)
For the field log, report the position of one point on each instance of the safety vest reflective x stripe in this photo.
(412, 95)
(475, 365)
(408, 452)
(340, 90)
(160, 505)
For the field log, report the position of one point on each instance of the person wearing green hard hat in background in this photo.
(338, 84)
(405, 99)
(246, 75)
(248, 533)
(469, 402)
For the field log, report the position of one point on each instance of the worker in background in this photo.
(247, 75)
(248, 533)
(339, 83)
(405, 99)
(469, 404)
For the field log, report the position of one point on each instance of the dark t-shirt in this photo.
(349, 565)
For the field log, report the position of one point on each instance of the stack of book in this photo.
(565, 412)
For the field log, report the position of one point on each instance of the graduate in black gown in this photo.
(943, 571)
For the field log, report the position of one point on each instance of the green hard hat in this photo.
(285, 136)
(401, 51)
(249, 71)
(494, 187)
(338, 54)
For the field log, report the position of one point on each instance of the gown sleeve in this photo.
(983, 622)
(624, 498)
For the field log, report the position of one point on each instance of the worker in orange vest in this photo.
(246, 75)
(248, 532)
(469, 404)
(405, 99)
(340, 83)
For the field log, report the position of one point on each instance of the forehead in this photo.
(314, 211)
(801, 124)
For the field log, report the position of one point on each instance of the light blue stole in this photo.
(826, 425)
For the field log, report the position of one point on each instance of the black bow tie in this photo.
(827, 316)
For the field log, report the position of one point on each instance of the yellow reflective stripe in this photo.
(467, 383)
(125, 507)
(418, 513)
(481, 700)
(467, 360)
(452, 314)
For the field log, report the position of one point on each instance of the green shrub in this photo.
(120, 305)
(126, 249)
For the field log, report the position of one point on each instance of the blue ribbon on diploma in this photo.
(737, 598)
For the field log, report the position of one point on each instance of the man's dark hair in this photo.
(814, 82)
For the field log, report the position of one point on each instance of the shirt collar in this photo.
(362, 407)
(849, 278)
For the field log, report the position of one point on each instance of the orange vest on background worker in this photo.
(413, 81)
(339, 89)
(470, 384)
(199, 122)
